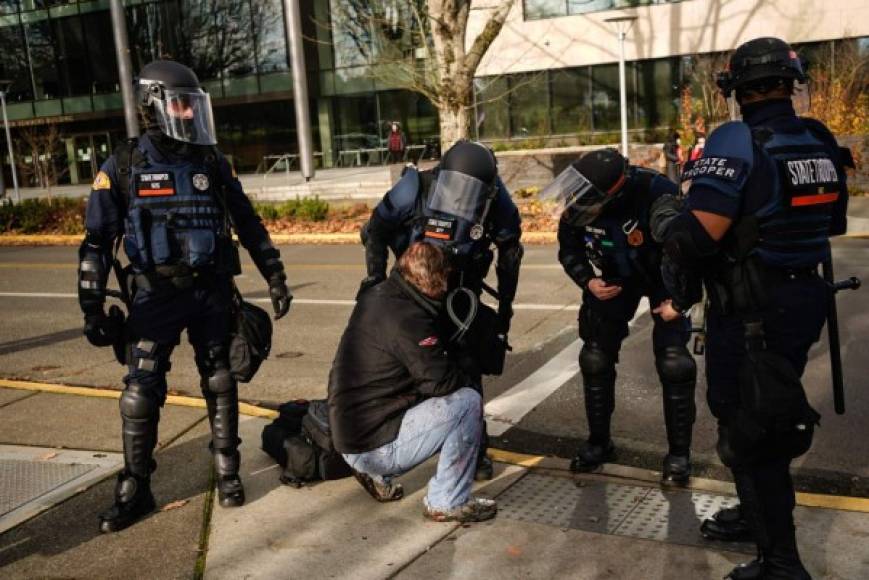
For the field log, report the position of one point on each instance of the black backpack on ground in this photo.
(300, 440)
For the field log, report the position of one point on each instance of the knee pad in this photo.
(221, 382)
(137, 403)
(593, 360)
(676, 365)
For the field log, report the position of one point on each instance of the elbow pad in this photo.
(688, 242)
(93, 273)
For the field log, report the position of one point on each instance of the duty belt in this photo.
(176, 277)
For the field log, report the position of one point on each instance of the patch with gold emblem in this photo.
(635, 238)
(102, 181)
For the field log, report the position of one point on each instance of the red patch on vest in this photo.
(430, 341)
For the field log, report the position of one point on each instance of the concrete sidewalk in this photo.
(551, 523)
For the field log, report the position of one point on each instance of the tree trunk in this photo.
(455, 122)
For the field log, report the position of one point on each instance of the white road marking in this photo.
(311, 301)
(508, 408)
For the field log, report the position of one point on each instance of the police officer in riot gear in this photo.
(606, 248)
(462, 206)
(764, 199)
(172, 198)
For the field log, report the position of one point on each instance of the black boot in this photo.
(230, 491)
(747, 571)
(727, 525)
(677, 470)
(599, 383)
(485, 470)
(678, 373)
(591, 456)
(133, 501)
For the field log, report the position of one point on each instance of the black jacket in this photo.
(390, 358)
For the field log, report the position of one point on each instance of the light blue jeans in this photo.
(451, 425)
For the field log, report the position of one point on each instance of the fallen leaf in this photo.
(594, 519)
(514, 551)
(47, 456)
(174, 505)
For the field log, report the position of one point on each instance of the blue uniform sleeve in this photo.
(398, 204)
(719, 176)
(104, 216)
(248, 225)
(572, 254)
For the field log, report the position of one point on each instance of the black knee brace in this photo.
(221, 396)
(599, 379)
(140, 413)
(678, 373)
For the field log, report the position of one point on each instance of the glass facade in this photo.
(538, 9)
(578, 100)
(60, 58)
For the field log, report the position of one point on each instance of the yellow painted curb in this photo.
(176, 400)
(813, 500)
(291, 239)
(513, 458)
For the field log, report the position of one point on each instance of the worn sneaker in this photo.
(477, 509)
(379, 490)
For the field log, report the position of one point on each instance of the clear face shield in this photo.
(185, 115)
(460, 195)
(573, 196)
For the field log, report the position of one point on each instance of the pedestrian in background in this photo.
(396, 143)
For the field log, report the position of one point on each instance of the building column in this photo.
(72, 160)
(324, 114)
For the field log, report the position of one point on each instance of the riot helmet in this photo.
(761, 63)
(465, 181)
(179, 105)
(581, 191)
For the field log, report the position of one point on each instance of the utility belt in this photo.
(172, 278)
(743, 286)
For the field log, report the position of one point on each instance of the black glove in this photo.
(280, 295)
(367, 283)
(102, 330)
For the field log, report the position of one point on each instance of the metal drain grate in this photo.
(23, 481)
(609, 508)
(33, 479)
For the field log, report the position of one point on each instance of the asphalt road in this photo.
(40, 339)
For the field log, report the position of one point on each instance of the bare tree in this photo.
(43, 144)
(422, 46)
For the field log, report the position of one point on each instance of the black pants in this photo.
(792, 323)
(154, 328)
(603, 326)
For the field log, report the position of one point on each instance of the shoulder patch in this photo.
(101, 181)
(429, 341)
(731, 169)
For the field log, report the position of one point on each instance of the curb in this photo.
(609, 470)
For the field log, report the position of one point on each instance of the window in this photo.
(537, 9)
(13, 63)
(267, 18)
(493, 108)
(571, 105)
(606, 115)
(43, 59)
(529, 104)
(657, 96)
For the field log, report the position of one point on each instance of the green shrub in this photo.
(313, 209)
(307, 208)
(63, 215)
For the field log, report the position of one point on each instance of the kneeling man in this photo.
(397, 396)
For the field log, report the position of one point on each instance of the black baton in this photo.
(833, 333)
